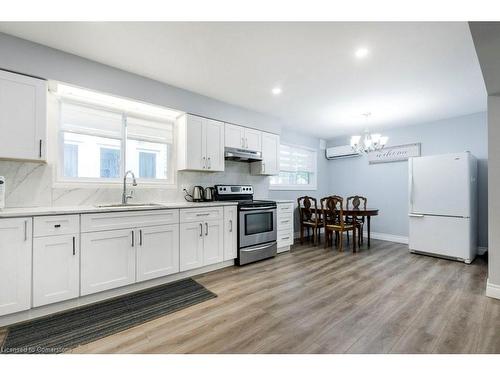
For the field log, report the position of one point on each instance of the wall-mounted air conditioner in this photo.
(340, 152)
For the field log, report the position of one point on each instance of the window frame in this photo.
(60, 181)
(313, 183)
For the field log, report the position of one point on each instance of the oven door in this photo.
(257, 225)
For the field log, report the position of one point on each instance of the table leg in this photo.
(368, 220)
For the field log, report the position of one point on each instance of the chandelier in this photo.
(367, 143)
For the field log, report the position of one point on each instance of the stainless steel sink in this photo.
(132, 205)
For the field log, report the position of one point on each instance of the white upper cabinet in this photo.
(269, 165)
(243, 138)
(23, 117)
(200, 144)
(235, 136)
(15, 265)
(253, 139)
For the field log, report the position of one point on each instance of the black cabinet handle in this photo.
(140, 237)
(57, 226)
(40, 149)
(133, 242)
(74, 246)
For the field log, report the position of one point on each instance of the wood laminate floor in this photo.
(312, 300)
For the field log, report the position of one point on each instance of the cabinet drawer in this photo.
(285, 238)
(285, 222)
(285, 208)
(122, 220)
(190, 215)
(54, 225)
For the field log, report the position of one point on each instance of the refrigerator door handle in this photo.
(415, 215)
(410, 163)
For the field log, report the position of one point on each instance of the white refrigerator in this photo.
(443, 205)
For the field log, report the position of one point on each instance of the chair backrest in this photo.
(332, 208)
(307, 207)
(356, 201)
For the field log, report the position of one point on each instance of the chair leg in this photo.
(314, 235)
(347, 237)
(354, 239)
(341, 239)
(326, 239)
(301, 234)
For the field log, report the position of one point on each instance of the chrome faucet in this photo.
(125, 196)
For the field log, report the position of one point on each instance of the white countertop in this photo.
(54, 210)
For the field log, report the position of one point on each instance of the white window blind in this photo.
(293, 159)
(95, 122)
(297, 169)
(99, 143)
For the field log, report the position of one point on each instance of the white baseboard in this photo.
(387, 237)
(378, 236)
(492, 290)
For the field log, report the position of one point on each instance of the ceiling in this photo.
(413, 73)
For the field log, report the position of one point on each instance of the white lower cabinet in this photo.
(15, 265)
(56, 269)
(157, 251)
(285, 226)
(107, 260)
(213, 242)
(230, 232)
(201, 244)
(191, 246)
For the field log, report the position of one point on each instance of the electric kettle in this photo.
(209, 194)
(198, 194)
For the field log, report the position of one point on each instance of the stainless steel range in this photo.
(257, 232)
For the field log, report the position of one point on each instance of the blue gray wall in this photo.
(386, 185)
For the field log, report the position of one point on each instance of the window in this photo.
(147, 165)
(70, 160)
(297, 169)
(99, 143)
(110, 163)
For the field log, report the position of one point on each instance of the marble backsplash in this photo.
(31, 185)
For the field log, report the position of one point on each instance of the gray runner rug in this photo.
(63, 331)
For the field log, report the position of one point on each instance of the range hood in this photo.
(238, 154)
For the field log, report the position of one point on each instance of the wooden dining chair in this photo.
(309, 218)
(334, 222)
(357, 201)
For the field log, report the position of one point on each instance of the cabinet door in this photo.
(195, 143)
(23, 117)
(56, 269)
(157, 251)
(107, 260)
(234, 135)
(191, 246)
(15, 265)
(213, 243)
(214, 146)
(230, 232)
(270, 154)
(253, 139)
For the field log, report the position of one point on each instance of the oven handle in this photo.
(257, 208)
(259, 247)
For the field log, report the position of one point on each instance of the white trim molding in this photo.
(492, 290)
(387, 237)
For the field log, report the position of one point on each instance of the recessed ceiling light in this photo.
(276, 90)
(361, 52)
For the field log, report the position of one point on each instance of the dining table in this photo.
(358, 212)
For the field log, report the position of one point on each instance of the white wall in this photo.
(30, 184)
(386, 185)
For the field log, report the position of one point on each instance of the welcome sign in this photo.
(394, 153)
